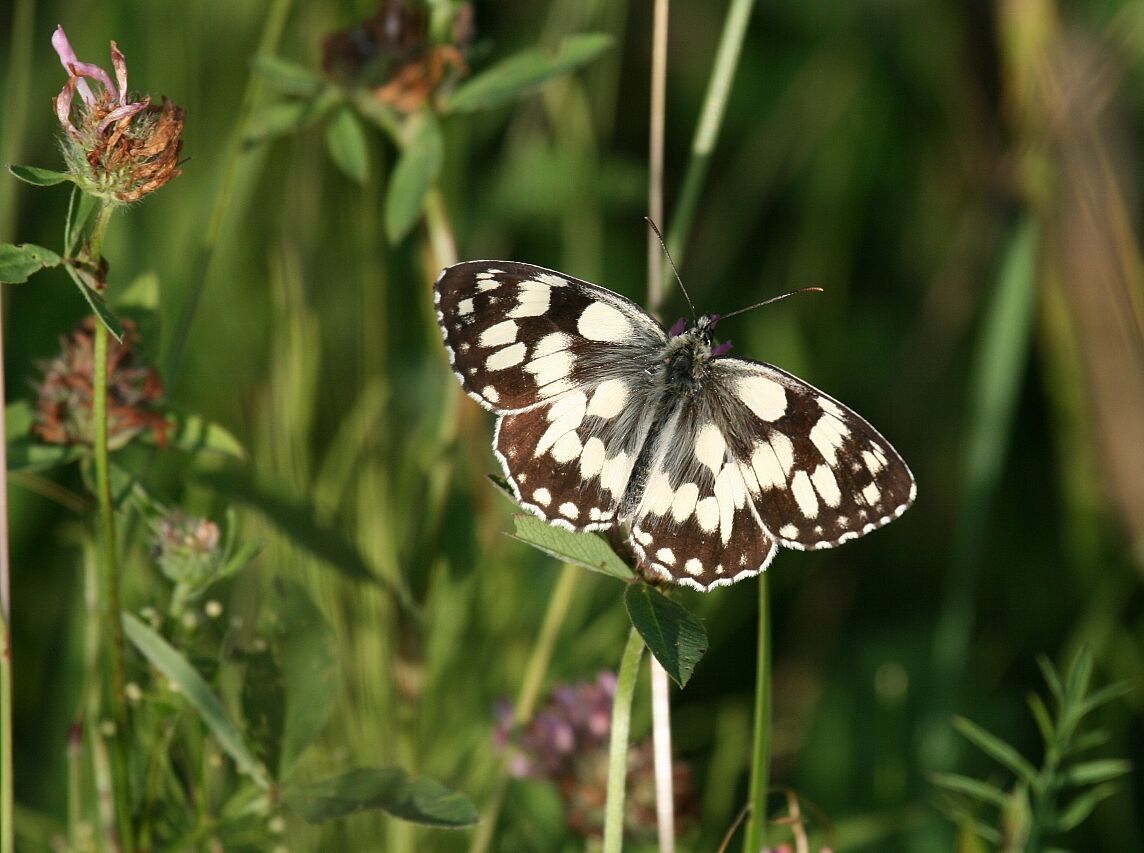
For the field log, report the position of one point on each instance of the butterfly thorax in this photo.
(686, 356)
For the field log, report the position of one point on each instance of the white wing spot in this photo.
(542, 497)
(569, 510)
(828, 435)
(666, 555)
(710, 447)
(488, 284)
(871, 494)
(565, 416)
(602, 322)
(765, 397)
(826, 485)
(550, 343)
(567, 447)
(498, 335)
(592, 459)
(873, 463)
(552, 280)
(684, 501)
(552, 367)
(707, 514)
(766, 465)
(490, 394)
(532, 301)
(594, 513)
(788, 531)
(507, 357)
(608, 399)
(614, 475)
(658, 494)
(465, 307)
(693, 567)
(731, 493)
(830, 407)
(719, 569)
(804, 494)
(642, 536)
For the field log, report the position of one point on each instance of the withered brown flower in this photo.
(64, 401)
(115, 148)
(392, 53)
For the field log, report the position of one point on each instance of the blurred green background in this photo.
(963, 179)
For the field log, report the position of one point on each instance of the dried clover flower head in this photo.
(393, 54)
(64, 403)
(187, 548)
(116, 148)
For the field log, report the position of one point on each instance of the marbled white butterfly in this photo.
(603, 418)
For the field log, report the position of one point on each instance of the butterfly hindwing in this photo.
(518, 334)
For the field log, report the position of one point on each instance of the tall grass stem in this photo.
(618, 745)
(15, 118)
(710, 123)
(661, 740)
(756, 835)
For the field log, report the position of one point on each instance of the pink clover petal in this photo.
(64, 104)
(87, 69)
(119, 61)
(68, 59)
(120, 113)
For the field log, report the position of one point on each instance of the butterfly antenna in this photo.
(769, 301)
(663, 243)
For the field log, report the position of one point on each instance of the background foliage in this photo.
(963, 180)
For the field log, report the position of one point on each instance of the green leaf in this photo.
(1086, 741)
(417, 800)
(1079, 675)
(1043, 717)
(675, 636)
(194, 435)
(284, 117)
(413, 176)
(1102, 697)
(38, 177)
(346, 142)
(589, 550)
(309, 669)
(295, 519)
(98, 307)
(525, 72)
(81, 207)
(179, 672)
(1095, 772)
(998, 750)
(28, 454)
(289, 78)
(18, 262)
(974, 788)
(1079, 809)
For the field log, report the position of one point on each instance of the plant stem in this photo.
(558, 604)
(7, 796)
(661, 739)
(655, 153)
(756, 835)
(710, 122)
(109, 565)
(618, 746)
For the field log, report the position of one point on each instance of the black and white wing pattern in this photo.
(563, 363)
(605, 419)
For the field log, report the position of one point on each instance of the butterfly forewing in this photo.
(518, 334)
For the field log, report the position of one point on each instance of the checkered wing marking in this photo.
(817, 473)
(695, 523)
(519, 335)
(569, 459)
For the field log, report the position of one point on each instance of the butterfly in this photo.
(606, 419)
